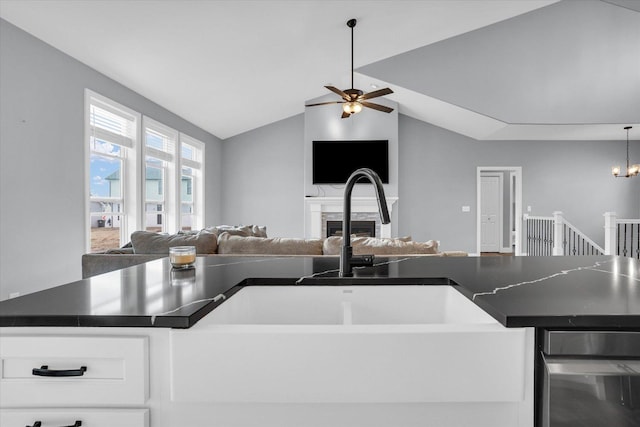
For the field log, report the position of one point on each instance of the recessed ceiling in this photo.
(569, 70)
(233, 66)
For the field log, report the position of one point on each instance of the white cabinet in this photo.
(144, 377)
(97, 380)
(71, 416)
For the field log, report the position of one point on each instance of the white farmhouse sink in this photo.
(356, 344)
(338, 305)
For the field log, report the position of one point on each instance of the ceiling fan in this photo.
(355, 99)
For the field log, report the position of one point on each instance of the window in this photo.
(159, 149)
(191, 183)
(141, 174)
(112, 139)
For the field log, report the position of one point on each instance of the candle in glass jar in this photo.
(182, 256)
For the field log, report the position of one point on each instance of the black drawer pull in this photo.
(39, 424)
(44, 371)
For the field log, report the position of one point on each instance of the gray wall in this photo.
(42, 177)
(263, 176)
(267, 171)
(437, 176)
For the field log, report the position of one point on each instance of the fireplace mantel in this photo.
(316, 206)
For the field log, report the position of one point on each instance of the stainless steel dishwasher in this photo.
(591, 379)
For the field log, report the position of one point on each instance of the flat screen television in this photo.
(335, 161)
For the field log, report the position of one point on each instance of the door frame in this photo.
(500, 176)
(517, 172)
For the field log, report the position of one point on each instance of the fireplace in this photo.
(320, 210)
(358, 228)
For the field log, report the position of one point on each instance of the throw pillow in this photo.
(332, 245)
(230, 244)
(381, 246)
(146, 242)
(239, 230)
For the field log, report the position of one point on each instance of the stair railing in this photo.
(575, 242)
(539, 235)
(547, 236)
(621, 236)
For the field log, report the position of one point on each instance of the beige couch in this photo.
(247, 240)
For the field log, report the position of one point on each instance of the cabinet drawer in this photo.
(105, 371)
(69, 416)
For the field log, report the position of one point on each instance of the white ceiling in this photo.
(233, 66)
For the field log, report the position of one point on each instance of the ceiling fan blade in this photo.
(346, 115)
(376, 106)
(339, 92)
(376, 93)
(324, 103)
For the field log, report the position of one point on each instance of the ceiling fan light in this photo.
(352, 107)
(615, 171)
(352, 96)
(634, 170)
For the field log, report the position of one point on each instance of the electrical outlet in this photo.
(528, 208)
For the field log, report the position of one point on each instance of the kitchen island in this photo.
(148, 309)
(562, 292)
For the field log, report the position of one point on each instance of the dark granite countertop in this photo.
(557, 292)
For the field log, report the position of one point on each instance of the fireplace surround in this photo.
(319, 210)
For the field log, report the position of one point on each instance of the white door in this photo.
(490, 213)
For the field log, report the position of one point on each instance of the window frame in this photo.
(128, 175)
(133, 171)
(170, 160)
(197, 181)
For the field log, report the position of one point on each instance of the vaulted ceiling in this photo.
(489, 69)
(570, 70)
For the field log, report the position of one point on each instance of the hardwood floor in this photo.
(496, 254)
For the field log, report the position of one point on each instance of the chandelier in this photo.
(632, 170)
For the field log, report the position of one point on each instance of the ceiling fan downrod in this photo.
(352, 23)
